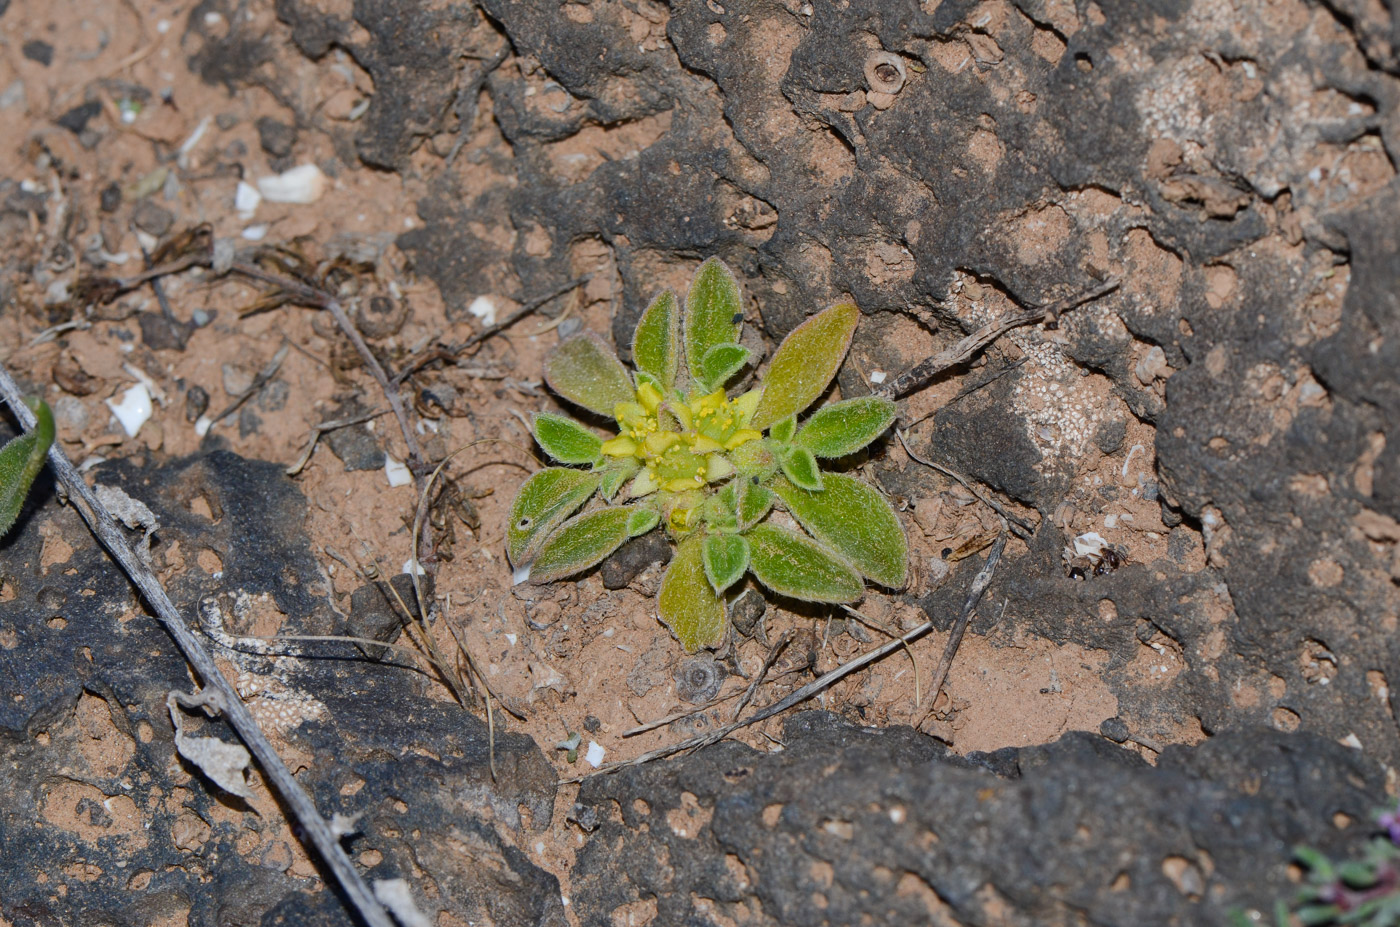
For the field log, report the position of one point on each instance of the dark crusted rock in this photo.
(76, 119)
(152, 218)
(356, 446)
(633, 558)
(850, 825)
(79, 660)
(38, 50)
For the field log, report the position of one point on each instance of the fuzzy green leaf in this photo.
(642, 520)
(784, 430)
(542, 504)
(585, 371)
(581, 542)
(801, 467)
(21, 459)
(710, 309)
(843, 428)
(566, 440)
(687, 603)
(754, 502)
(855, 521)
(720, 364)
(804, 364)
(615, 474)
(726, 559)
(800, 568)
(656, 344)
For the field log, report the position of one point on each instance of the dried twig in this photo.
(773, 654)
(950, 649)
(448, 352)
(964, 350)
(823, 682)
(264, 375)
(323, 428)
(279, 777)
(1018, 525)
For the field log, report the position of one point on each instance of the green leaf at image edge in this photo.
(541, 505)
(21, 459)
(800, 568)
(585, 371)
(726, 559)
(804, 364)
(656, 343)
(842, 428)
(687, 603)
(854, 520)
(710, 308)
(566, 440)
(581, 542)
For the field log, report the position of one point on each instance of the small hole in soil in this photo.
(1341, 820)
(1083, 62)
(1121, 882)
(58, 623)
(640, 806)
(771, 813)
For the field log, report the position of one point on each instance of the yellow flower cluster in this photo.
(681, 445)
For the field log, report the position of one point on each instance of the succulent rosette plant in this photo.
(708, 468)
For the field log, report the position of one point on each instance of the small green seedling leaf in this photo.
(687, 603)
(845, 427)
(544, 501)
(720, 364)
(566, 440)
(710, 310)
(616, 474)
(21, 459)
(801, 467)
(726, 560)
(585, 371)
(784, 430)
(804, 364)
(800, 568)
(754, 502)
(642, 520)
(581, 542)
(656, 346)
(855, 521)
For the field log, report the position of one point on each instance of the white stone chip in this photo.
(246, 199)
(594, 756)
(302, 184)
(133, 409)
(483, 309)
(397, 473)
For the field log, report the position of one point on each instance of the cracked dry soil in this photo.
(1142, 746)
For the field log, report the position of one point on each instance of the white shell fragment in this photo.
(133, 409)
(483, 309)
(246, 199)
(877, 376)
(302, 184)
(411, 566)
(1090, 544)
(594, 756)
(397, 473)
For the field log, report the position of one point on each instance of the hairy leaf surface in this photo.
(566, 440)
(726, 559)
(710, 309)
(581, 542)
(845, 427)
(657, 342)
(800, 568)
(687, 603)
(544, 501)
(801, 467)
(805, 362)
(720, 364)
(642, 520)
(754, 502)
(784, 430)
(854, 520)
(585, 371)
